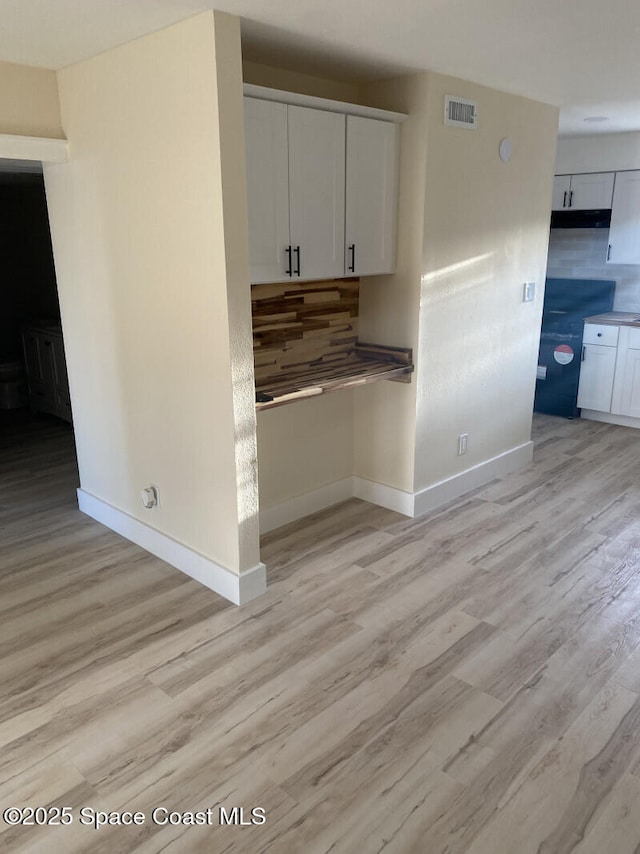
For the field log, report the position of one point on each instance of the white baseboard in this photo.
(248, 585)
(459, 484)
(237, 588)
(610, 418)
(408, 503)
(384, 496)
(305, 505)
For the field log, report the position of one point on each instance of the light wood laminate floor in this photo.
(468, 681)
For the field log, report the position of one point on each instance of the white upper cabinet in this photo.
(316, 192)
(624, 233)
(267, 163)
(561, 190)
(371, 200)
(590, 191)
(316, 174)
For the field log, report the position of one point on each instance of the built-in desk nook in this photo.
(305, 340)
(322, 181)
(322, 193)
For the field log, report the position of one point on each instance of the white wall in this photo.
(471, 231)
(29, 101)
(294, 81)
(486, 229)
(149, 230)
(385, 413)
(304, 446)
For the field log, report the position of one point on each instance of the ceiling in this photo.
(581, 55)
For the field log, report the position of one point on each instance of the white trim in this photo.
(237, 588)
(459, 484)
(304, 505)
(610, 418)
(263, 93)
(384, 496)
(408, 503)
(13, 147)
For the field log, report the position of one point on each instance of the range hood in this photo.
(600, 218)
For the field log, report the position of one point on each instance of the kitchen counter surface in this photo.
(615, 318)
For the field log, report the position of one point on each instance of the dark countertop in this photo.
(615, 318)
(368, 363)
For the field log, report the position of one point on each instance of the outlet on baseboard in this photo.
(463, 441)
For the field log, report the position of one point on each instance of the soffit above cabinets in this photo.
(295, 99)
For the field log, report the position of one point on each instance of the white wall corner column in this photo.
(229, 85)
(159, 350)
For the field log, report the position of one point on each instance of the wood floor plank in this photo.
(619, 820)
(552, 808)
(461, 683)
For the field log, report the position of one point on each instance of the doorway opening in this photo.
(34, 393)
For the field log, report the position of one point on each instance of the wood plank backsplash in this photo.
(298, 324)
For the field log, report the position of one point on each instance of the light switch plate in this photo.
(529, 292)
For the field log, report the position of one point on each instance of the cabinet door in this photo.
(624, 234)
(590, 192)
(48, 362)
(596, 377)
(372, 189)
(561, 190)
(63, 400)
(626, 398)
(317, 192)
(267, 188)
(32, 357)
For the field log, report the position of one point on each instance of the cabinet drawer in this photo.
(601, 333)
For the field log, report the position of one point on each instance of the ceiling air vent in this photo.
(459, 112)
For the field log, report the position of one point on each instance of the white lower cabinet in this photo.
(627, 398)
(626, 389)
(610, 372)
(596, 377)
